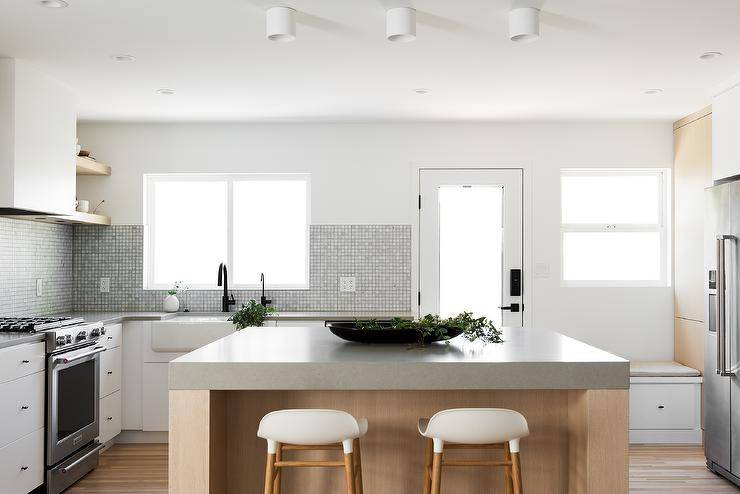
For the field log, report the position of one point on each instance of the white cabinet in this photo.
(21, 407)
(725, 131)
(22, 464)
(300, 323)
(110, 371)
(111, 374)
(110, 417)
(21, 360)
(155, 414)
(665, 410)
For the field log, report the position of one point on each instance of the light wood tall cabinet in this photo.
(692, 173)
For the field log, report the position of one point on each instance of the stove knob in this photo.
(95, 333)
(102, 330)
(81, 336)
(69, 338)
(61, 340)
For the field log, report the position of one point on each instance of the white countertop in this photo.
(311, 358)
(116, 317)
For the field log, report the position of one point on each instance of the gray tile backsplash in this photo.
(379, 256)
(30, 251)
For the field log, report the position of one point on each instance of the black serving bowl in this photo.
(347, 330)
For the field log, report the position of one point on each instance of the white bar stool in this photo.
(473, 428)
(301, 430)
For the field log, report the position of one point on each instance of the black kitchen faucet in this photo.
(223, 280)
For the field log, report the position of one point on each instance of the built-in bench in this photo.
(665, 403)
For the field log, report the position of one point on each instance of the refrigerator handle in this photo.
(721, 312)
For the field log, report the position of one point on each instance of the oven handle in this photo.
(66, 360)
(80, 460)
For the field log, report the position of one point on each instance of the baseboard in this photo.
(666, 436)
(126, 437)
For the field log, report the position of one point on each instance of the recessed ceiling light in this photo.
(654, 90)
(54, 4)
(166, 91)
(422, 90)
(121, 57)
(710, 55)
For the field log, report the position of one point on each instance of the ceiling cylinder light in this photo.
(280, 24)
(400, 24)
(524, 24)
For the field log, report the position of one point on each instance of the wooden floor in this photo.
(142, 469)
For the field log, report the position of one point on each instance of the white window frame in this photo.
(149, 224)
(662, 227)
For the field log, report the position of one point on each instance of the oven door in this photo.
(73, 384)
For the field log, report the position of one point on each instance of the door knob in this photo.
(512, 307)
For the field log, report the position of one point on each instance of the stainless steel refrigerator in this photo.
(722, 344)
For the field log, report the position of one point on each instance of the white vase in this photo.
(171, 304)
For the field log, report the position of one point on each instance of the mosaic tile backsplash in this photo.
(379, 256)
(31, 251)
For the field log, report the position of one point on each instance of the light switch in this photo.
(541, 270)
(104, 285)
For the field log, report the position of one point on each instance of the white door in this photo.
(470, 243)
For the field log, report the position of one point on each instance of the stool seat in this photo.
(475, 425)
(311, 427)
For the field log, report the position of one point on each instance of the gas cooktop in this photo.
(34, 324)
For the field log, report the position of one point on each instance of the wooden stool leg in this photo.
(278, 472)
(269, 473)
(508, 484)
(349, 472)
(358, 467)
(437, 473)
(428, 466)
(516, 473)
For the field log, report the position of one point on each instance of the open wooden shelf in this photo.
(86, 166)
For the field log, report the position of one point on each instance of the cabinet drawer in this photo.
(21, 407)
(21, 360)
(113, 335)
(22, 464)
(110, 371)
(110, 417)
(664, 406)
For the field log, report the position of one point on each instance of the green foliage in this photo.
(178, 287)
(433, 327)
(251, 314)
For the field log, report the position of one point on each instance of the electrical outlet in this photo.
(347, 283)
(104, 285)
(39, 287)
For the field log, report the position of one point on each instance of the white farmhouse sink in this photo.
(186, 333)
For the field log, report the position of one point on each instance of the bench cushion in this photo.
(661, 369)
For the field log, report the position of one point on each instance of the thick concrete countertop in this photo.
(11, 339)
(116, 317)
(307, 358)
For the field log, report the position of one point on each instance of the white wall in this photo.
(364, 173)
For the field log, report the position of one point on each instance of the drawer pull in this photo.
(109, 418)
(110, 373)
(25, 407)
(24, 361)
(661, 407)
(110, 337)
(24, 468)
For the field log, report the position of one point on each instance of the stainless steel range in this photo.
(72, 389)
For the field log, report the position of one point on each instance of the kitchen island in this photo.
(574, 396)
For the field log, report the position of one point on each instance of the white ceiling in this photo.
(593, 60)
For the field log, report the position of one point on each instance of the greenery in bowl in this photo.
(434, 327)
(251, 314)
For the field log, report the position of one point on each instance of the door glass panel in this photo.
(75, 398)
(470, 250)
(594, 256)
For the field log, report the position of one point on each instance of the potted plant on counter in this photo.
(171, 302)
(251, 314)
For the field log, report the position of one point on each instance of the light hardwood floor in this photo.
(142, 469)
